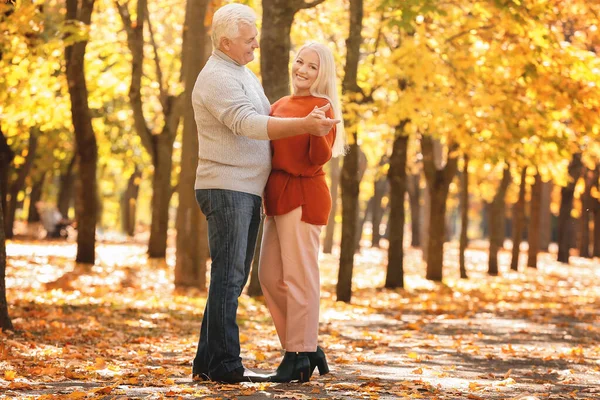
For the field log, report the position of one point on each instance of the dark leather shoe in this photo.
(241, 375)
(293, 367)
(318, 360)
(199, 376)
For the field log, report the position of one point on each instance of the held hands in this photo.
(317, 123)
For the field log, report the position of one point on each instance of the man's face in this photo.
(241, 49)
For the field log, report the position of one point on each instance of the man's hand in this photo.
(317, 122)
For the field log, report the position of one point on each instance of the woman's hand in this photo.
(318, 123)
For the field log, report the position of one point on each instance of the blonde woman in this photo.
(297, 204)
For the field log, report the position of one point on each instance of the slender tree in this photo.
(566, 204)
(350, 169)
(6, 157)
(533, 232)
(546, 216)
(414, 197)
(80, 11)
(129, 202)
(66, 188)
(5, 322)
(518, 221)
(362, 168)
(334, 175)
(586, 213)
(464, 217)
(380, 188)
(254, 288)
(18, 184)
(438, 185)
(275, 44)
(159, 145)
(397, 180)
(192, 245)
(34, 197)
(596, 207)
(496, 222)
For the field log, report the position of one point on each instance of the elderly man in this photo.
(234, 161)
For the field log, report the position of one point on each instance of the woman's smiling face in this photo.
(305, 71)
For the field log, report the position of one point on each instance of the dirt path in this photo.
(118, 330)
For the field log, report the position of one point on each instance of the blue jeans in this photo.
(233, 222)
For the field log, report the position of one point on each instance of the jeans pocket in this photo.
(203, 198)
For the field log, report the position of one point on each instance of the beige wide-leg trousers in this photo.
(289, 277)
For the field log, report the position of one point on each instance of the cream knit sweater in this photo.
(231, 112)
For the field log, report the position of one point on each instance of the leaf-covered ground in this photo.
(119, 330)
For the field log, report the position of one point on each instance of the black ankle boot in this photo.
(318, 360)
(293, 367)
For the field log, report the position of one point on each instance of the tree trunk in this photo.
(496, 222)
(129, 203)
(360, 222)
(334, 174)
(546, 216)
(350, 170)
(192, 238)
(586, 211)
(350, 190)
(275, 44)
(438, 184)
(451, 223)
(159, 146)
(380, 188)
(425, 215)
(518, 221)
(596, 252)
(414, 196)
(5, 322)
(435, 246)
(6, 157)
(254, 288)
(596, 203)
(485, 217)
(85, 139)
(533, 235)
(437, 151)
(34, 197)
(66, 190)
(161, 196)
(596, 208)
(397, 180)
(19, 183)
(566, 204)
(464, 218)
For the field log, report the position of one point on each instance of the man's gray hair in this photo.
(227, 20)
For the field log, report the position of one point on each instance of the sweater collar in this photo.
(219, 54)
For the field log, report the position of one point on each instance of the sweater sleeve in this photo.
(320, 147)
(224, 97)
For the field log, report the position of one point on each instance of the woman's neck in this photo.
(301, 93)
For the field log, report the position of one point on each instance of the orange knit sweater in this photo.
(297, 177)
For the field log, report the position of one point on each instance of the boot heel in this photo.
(322, 366)
(293, 367)
(318, 360)
(304, 374)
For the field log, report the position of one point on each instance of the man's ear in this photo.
(225, 43)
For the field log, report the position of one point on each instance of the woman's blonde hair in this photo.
(325, 86)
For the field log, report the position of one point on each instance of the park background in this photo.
(466, 220)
